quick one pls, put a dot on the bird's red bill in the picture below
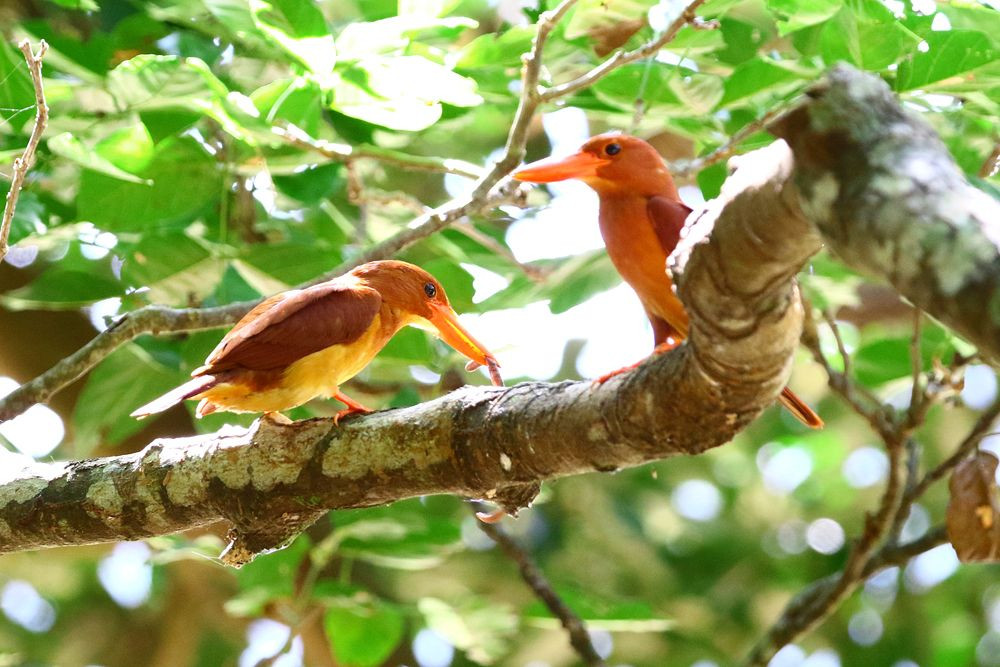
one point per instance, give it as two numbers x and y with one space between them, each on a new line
549 170
452 332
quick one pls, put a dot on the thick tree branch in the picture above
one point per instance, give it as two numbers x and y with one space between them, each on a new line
27 159
890 201
491 443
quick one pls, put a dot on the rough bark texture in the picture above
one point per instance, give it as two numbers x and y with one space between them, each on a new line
889 200
876 183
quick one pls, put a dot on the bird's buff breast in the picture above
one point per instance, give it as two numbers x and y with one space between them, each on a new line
317 375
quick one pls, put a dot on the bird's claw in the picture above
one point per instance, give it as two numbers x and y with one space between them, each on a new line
491 517
350 411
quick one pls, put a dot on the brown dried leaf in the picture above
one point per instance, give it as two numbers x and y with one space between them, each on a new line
609 37
974 509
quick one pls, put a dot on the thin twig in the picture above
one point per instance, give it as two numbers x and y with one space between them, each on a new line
624 57
818 601
534 273
27 159
728 149
918 396
860 400
347 153
532 575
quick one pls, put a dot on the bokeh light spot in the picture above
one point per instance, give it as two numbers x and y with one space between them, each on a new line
126 574
784 468
431 649
930 568
697 500
23 605
825 536
865 466
36 431
865 627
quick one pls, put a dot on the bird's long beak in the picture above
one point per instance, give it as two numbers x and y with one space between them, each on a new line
578 165
446 322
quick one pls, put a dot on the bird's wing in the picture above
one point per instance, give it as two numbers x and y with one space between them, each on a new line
291 325
667 216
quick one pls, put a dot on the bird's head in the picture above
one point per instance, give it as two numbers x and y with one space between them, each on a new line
420 300
609 163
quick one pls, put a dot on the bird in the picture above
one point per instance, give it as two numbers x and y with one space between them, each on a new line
304 343
641 218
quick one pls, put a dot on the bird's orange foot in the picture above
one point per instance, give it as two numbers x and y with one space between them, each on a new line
659 349
350 411
353 407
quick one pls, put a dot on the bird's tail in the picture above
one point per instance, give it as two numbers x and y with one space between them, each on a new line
799 409
174 396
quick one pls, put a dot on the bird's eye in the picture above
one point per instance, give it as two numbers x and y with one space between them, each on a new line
613 149
430 290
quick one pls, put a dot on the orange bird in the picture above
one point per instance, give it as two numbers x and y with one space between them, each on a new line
641 218
304 343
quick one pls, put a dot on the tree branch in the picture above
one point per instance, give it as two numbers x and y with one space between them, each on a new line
532 575
890 201
27 159
493 443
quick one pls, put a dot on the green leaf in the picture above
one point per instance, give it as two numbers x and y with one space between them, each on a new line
866 34
698 92
363 636
491 50
291 263
179 166
268 577
613 615
27 216
149 83
69 147
393 34
128 378
758 76
403 93
175 267
406 535
409 345
300 30
84 5
948 54
886 358
973 17
130 148
797 14
296 101
478 627
623 86
71 282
